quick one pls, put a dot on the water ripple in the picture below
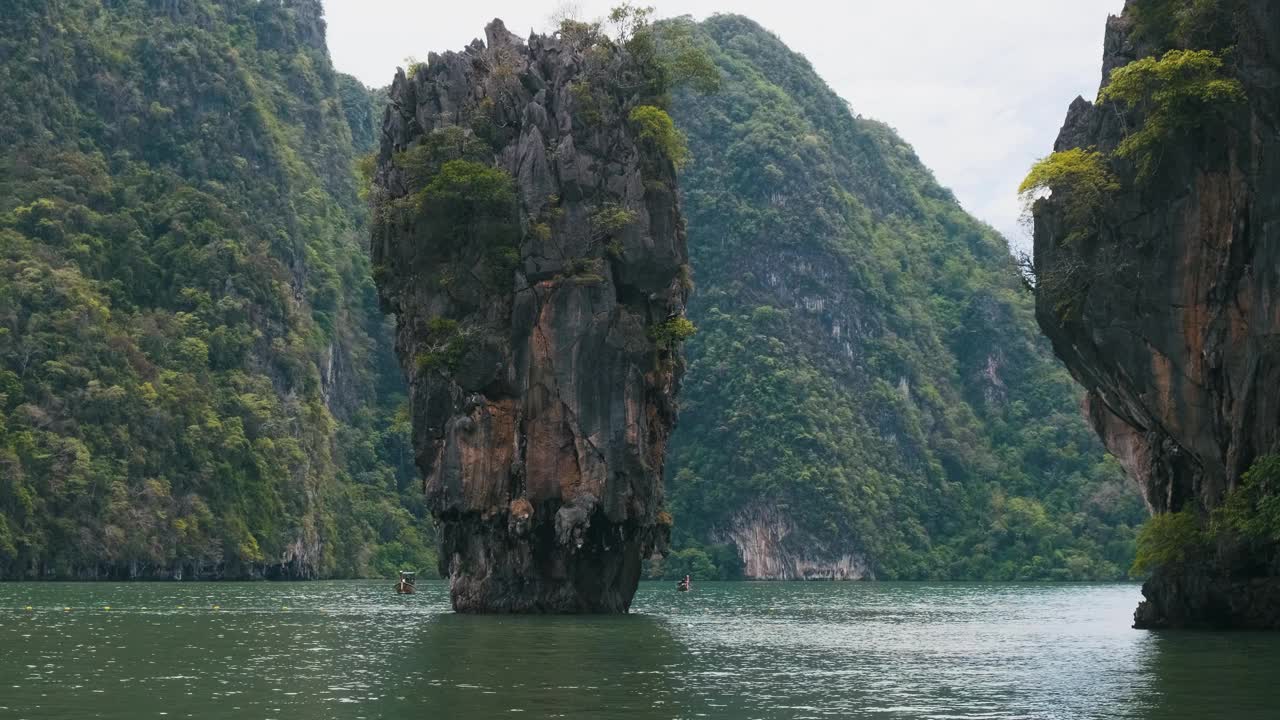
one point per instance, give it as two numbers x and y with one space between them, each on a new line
730 651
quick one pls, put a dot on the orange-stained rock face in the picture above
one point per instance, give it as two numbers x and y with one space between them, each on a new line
1129 445
476 456
1174 338
541 404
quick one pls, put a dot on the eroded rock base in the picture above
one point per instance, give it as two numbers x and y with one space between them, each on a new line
1198 598
494 571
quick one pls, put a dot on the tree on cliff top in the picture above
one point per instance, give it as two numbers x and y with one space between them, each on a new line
659 57
1186 23
1172 95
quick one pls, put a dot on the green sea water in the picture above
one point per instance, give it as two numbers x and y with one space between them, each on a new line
726 650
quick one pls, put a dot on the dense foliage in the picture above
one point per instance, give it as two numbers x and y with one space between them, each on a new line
194 377
1081 175
654 126
1185 23
1246 526
1169 539
867 363
1251 510
1173 94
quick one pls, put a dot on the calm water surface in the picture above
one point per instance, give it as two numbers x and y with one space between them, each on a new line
732 651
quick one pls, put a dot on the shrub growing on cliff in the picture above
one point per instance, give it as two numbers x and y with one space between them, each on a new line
654 126
658 57
465 192
1251 511
444 344
1081 177
413 66
610 219
424 161
1169 539
1249 515
468 205
1172 95
672 332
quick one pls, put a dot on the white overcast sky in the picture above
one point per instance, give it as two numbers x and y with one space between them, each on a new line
978 87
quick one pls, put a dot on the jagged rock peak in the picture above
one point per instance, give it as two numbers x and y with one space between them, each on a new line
530 243
497 35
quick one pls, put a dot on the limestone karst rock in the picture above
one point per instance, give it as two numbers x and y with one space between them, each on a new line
1167 310
528 239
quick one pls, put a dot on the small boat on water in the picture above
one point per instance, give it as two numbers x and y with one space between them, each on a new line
684 585
407 585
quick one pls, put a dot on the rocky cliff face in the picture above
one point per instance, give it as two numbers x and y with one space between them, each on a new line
771 547
539 333
1168 311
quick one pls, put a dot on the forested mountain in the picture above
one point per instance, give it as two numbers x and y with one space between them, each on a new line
194 376
867 392
195 379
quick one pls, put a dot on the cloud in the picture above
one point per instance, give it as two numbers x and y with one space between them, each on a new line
979 88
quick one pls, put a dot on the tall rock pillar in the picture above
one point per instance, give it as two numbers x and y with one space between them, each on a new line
528 239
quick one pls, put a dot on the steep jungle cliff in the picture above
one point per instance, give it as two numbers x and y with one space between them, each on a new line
867 395
529 240
195 378
1157 271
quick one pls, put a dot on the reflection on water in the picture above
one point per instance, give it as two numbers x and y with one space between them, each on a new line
1213 675
797 650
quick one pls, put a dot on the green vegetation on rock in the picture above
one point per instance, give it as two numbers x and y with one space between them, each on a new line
642 62
1251 511
194 377
469 204
611 219
1173 94
445 346
654 125
1169 539
1082 176
866 363
1185 23
671 333
465 194
1247 522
